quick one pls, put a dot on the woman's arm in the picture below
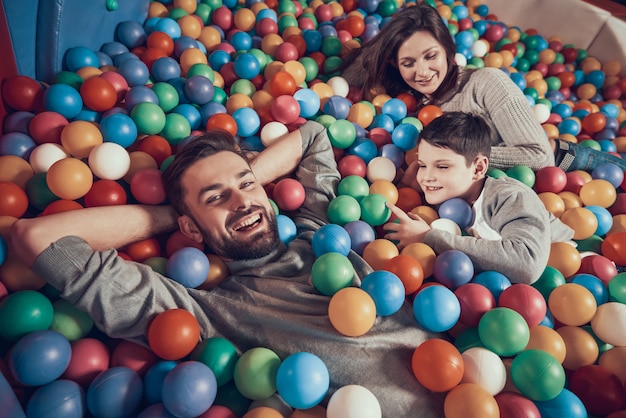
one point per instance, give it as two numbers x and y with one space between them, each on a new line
102 227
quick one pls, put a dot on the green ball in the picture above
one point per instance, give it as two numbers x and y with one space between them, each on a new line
203 11
545 101
593 244
468 338
502 42
554 83
538 375
325 120
532 92
255 373
344 209
617 288
287 21
158 264
532 56
167 95
523 65
177 12
496 173
522 173
591 143
353 185
219 95
286 6
331 65
68 320
220 355
374 210
38 192
387 8
176 128
260 56
149 118
559 58
549 280
311 68
341 133
503 331
68 77
476 62
453 29
243 86
23 312
531 42
201 69
331 46
331 272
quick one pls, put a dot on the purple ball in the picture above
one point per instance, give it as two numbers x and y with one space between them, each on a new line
453 268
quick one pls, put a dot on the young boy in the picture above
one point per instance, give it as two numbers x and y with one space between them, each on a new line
511 230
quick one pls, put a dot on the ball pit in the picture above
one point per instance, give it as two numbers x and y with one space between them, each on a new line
97 135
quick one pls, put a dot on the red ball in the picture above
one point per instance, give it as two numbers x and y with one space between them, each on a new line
90 357
157 146
286 52
147 186
22 93
222 17
494 33
525 300
594 122
619 207
173 334
613 247
105 192
266 26
408 270
514 405
141 250
288 194
380 137
285 109
550 179
178 240
282 83
47 126
134 356
13 200
599 389
61 205
599 266
574 182
119 83
98 94
475 300
352 165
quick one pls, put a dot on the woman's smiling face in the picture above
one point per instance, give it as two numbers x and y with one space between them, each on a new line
422 63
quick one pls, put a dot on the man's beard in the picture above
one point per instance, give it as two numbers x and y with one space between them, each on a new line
258 245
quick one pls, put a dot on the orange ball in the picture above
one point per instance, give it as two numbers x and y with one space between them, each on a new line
547 339
190 26
427 213
190 57
262 412
581 348
408 199
378 252
237 101
138 161
80 137
428 113
614 360
594 122
15 169
470 400
613 247
572 304
13 200
244 19
583 221
296 70
218 272
553 203
408 270
586 91
160 40
438 365
570 200
187 5
222 121
362 114
493 59
210 37
385 188
565 258
173 334
98 94
69 178
282 83
598 192
424 254
16 275
352 311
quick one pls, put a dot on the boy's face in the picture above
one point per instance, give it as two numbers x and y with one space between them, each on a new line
229 209
444 174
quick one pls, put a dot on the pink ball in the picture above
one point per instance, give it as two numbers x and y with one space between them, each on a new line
288 194
222 17
266 26
134 356
47 127
550 179
352 165
475 300
599 266
119 83
514 405
147 186
90 357
285 109
525 300
286 52
494 33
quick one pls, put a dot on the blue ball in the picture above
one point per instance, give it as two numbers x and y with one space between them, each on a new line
63 99
210 109
191 113
394 153
115 392
119 128
458 210
287 230
18 121
405 136
169 26
495 281
4 249
309 102
103 59
59 399
302 380
156 410
247 66
361 233
592 283
135 72
387 291
364 148
595 77
453 268
183 43
248 121
130 33
40 357
566 404
188 266
153 380
604 217
337 107
17 144
189 389
165 69
519 80
609 172
113 48
464 38
218 58
199 89
124 56
395 108
313 40
569 126
79 56
331 238
139 94
383 121
241 41
563 110
436 308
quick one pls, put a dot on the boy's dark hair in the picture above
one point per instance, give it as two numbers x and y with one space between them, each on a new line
464 133
198 148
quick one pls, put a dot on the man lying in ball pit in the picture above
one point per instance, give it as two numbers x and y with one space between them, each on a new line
509 231
218 198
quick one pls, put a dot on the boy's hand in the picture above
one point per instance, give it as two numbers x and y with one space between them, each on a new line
407 228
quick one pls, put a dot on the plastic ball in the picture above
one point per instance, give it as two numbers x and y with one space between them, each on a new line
609 323
135 72
353 401
173 334
109 161
598 192
550 179
60 398
537 375
188 266
17 144
387 291
572 304
408 270
287 230
581 347
69 178
22 93
302 380
374 210
436 308
118 128
90 357
437 365
485 368
565 258
309 102
525 300
503 331
475 299
470 400
343 209
381 168
378 252
13 200
220 355
565 404
522 173
98 94
63 99
453 268
515 405
149 118
352 311
614 248
594 285
547 339
609 172
352 165
115 392
189 389
255 373
288 194
80 137
582 221
331 272
39 357
457 210
331 238
361 234
599 390
341 133
354 186
147 186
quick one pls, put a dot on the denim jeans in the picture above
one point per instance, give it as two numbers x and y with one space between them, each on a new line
586 158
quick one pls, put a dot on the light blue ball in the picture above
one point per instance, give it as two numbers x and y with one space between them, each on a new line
302 380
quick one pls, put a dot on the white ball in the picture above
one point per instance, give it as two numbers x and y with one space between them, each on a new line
109 161
542 112
609 323
339 85
353 401
460 59
480 48
485 368
272 131
445 224
381 168
44 155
